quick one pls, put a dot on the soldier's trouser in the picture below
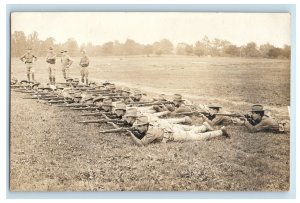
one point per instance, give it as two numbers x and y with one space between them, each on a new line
223 120
181 135
65 71
84 72
192 128
30 70
162 113
51 71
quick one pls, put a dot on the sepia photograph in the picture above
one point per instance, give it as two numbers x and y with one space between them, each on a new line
149 101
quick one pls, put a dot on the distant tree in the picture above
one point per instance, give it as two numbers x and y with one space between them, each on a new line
18 43
147 49
265 50
275 52
107 48
251 50
232 50
286 51
166 46
72 47
182 48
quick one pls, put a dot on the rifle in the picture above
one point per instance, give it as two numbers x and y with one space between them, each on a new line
59 101
98 114
85 108
103 121
117 130
155 103
190 113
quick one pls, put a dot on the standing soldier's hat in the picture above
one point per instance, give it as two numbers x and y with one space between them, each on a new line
177 97
120 106
141 120
257 108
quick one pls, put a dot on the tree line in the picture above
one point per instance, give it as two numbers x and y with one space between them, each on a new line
203 47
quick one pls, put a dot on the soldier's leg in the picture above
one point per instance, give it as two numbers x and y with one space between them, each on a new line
67 72
190 136
53 73
64 72
86 76
163 113
50 74
202 128
183 120
28 71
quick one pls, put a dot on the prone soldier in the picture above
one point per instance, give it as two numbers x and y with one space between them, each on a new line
164 132
264 123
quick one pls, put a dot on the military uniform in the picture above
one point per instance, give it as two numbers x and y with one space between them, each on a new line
266 123
84 63
27 58
165 132
51 59
66 62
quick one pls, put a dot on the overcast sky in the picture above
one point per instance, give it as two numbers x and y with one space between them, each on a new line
148 27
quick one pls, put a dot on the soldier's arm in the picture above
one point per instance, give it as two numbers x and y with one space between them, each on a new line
137 141
22 57
250 127
114 125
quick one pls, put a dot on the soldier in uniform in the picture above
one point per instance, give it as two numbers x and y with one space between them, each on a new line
28 59
50 59
214 119
163 132
264 123
84 63
66 62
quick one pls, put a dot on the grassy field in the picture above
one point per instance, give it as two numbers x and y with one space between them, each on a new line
50 152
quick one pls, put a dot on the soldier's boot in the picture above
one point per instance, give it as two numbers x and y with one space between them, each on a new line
28 76
32 77
87 81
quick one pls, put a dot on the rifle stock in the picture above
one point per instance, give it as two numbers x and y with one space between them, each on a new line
117 130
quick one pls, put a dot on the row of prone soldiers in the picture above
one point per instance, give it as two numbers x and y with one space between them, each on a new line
146 119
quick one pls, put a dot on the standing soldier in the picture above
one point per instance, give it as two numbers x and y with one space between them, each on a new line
51 58
27 58
66 63
84 63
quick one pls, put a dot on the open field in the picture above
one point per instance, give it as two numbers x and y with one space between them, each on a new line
49 151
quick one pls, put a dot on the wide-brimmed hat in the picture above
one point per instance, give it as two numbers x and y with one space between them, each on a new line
35 84
77 95
92 83
131 112
214 106
111 86
76 80
141 120
257 108
177 97
162 97
106 83
107 102
24 82
69 79
120 106
137 92
126 89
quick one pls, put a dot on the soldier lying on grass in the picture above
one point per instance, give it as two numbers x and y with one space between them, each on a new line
264 123
164 132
